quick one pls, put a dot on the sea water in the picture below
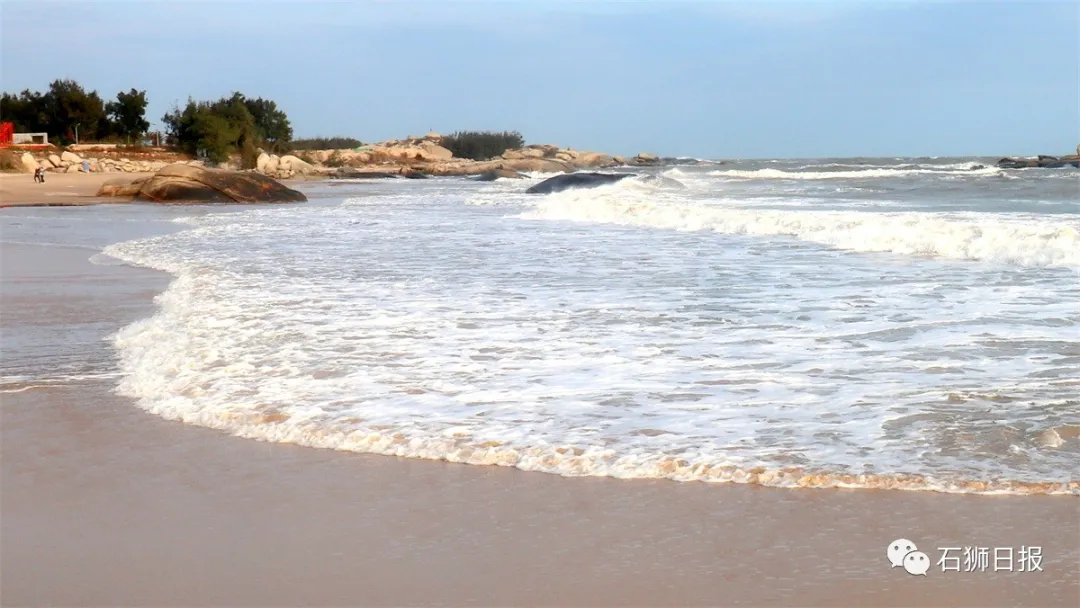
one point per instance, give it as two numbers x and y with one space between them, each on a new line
891 323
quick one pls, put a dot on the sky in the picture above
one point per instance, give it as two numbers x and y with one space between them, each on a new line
709 79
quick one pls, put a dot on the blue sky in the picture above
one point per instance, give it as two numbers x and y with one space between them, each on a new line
708 79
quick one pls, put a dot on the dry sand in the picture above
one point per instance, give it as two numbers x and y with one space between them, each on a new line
103 504
59 189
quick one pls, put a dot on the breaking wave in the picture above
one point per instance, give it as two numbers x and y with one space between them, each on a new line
857 174
965 236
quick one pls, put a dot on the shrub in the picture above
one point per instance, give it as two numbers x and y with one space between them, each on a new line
335 160
326 143
482 145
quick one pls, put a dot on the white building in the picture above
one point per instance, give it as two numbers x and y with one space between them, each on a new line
30 138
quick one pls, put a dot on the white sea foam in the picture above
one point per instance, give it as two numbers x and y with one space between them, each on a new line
1025 241
857 174
413 325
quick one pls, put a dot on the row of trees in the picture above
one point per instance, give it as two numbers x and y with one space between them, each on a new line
69 113
213 130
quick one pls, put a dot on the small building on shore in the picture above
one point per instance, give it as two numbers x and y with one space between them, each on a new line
30 139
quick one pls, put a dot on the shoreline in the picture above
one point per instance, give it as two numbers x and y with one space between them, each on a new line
105 504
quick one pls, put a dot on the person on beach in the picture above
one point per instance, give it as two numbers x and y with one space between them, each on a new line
39 175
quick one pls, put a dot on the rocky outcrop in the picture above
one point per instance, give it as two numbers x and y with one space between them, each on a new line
576 180
1040 162
182 183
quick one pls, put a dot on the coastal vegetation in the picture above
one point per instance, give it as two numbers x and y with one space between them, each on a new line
482 145
236 124
326 143
69 113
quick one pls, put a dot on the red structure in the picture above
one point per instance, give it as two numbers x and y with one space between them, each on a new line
7 133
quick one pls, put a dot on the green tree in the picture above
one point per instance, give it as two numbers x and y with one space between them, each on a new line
73 113
228 126
271 124
25 110
128 114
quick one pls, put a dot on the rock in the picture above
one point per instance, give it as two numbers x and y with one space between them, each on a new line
55 160
513 155
122 187
185 183
647 157
70 157
542 165
490 176
1041 162
294 164
261 162
72 169
28 162
593 159
354 173
532 153
434 152
576 180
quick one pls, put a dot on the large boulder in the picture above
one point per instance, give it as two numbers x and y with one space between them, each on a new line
54 160
70 157
261 162
189 184
576 180
28 162
295 164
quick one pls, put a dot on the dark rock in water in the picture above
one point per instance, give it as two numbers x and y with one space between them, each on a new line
188 184
415 175
977 167
351 173
490 176
1042 162
576 180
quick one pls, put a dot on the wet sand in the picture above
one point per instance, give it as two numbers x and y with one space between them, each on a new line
103 504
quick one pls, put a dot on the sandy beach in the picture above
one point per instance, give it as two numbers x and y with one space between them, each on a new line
104 504
59 189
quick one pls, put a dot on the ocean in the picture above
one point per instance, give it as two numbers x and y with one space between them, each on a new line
898 323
